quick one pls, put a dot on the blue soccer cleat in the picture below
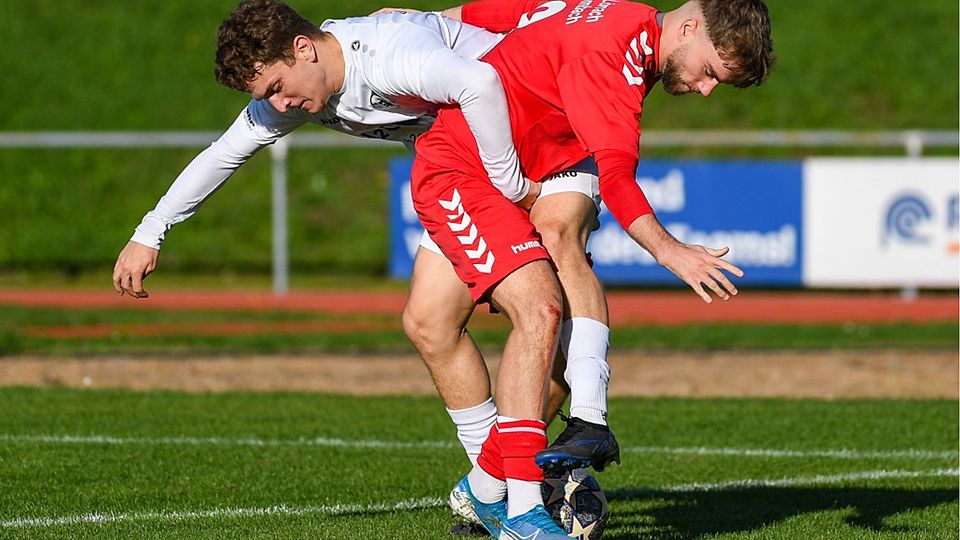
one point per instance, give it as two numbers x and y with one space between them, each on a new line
468 508
533 525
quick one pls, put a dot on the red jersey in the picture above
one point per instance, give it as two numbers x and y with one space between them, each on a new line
575 76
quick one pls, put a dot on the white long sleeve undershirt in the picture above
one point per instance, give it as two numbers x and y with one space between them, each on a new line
399 67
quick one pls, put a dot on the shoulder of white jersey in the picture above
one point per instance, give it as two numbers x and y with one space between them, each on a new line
395 27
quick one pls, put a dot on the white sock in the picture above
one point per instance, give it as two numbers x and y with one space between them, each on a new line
584 342
486 488
473 426
523 497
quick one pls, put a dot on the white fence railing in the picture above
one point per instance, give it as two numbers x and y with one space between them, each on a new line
913 143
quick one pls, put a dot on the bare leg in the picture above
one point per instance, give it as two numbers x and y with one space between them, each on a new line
565 220
435 320
530 297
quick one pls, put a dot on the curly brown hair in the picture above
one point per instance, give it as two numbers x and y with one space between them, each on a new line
258 33
740 31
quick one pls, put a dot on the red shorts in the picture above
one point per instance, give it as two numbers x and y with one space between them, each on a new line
480 231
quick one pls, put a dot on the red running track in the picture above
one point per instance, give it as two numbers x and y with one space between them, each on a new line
626 307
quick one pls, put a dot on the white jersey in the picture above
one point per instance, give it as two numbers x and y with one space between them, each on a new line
399 68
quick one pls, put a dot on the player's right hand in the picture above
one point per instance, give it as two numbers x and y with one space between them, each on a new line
134 264
527 202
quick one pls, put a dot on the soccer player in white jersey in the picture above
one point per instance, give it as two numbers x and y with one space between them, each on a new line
382 77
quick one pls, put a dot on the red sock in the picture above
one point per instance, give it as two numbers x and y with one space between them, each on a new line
519 442
489 459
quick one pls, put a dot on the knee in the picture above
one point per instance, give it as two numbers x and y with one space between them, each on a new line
564 244
555 235
428 336
415 326
542 316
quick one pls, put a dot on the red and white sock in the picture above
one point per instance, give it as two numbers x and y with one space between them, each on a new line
487 480
519 442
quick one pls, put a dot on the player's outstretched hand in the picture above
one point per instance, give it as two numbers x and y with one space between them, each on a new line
392 9
134 264
702 268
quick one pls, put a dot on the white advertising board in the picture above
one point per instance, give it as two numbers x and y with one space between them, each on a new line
881 222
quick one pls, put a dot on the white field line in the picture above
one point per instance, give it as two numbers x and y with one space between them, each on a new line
842 453
433 445
425 503
279 510
739 485
220 441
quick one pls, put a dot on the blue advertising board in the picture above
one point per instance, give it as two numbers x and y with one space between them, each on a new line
754 207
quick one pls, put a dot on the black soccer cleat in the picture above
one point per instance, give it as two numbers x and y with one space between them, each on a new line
582 444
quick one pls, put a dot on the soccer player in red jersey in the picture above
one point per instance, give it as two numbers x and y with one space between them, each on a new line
575 76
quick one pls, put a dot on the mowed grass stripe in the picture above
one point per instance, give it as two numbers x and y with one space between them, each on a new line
843 453
427 503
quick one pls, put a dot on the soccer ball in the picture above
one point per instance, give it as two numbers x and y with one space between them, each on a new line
576 502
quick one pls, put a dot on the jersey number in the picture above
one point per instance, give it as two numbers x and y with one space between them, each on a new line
547 9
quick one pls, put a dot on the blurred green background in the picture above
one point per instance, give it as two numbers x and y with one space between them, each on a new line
143 66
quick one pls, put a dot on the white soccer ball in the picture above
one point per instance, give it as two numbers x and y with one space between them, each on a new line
576 502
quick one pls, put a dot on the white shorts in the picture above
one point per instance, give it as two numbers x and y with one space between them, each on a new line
581 178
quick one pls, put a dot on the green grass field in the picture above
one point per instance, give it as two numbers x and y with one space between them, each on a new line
114 464
22 331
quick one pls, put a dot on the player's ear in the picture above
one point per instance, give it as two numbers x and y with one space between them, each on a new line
689 28
304 48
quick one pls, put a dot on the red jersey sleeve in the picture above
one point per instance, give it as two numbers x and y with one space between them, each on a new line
499 16
619 188
602 104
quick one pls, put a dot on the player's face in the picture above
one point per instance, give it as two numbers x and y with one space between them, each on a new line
302 85
694 67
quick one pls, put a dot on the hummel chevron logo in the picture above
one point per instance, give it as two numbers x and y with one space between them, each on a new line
453 203
477 253
459 227
642 40
472 235
469 238
634 76
458 214
487 266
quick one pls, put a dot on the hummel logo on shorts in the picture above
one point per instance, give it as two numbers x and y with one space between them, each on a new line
458 223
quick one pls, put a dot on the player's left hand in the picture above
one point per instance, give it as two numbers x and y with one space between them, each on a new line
702 269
